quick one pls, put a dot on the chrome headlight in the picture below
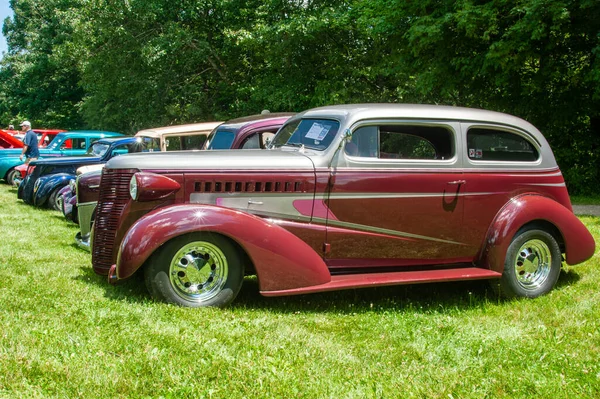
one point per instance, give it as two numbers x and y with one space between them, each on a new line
133 188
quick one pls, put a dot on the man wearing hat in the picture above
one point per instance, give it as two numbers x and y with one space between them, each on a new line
30 143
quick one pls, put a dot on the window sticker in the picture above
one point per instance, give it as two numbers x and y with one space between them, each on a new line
475 153
317 131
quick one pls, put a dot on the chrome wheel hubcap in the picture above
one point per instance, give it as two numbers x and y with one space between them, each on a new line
198 271
533 263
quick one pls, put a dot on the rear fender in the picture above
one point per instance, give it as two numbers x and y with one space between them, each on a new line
282 260
528 209
46 184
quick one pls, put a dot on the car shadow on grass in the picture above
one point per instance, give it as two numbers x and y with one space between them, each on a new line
422 298
459 295
131 290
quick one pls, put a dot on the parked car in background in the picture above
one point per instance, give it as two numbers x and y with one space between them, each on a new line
180 137
45 136
348 196
250 132
47 177
71 143
9 141
67 196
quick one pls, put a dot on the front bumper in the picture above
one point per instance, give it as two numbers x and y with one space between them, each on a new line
85 212
83 242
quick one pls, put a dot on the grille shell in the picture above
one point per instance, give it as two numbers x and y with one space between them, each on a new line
113 198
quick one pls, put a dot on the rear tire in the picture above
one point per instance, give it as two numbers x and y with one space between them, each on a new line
196 270
532 264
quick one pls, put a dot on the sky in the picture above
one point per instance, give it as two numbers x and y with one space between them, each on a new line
5 11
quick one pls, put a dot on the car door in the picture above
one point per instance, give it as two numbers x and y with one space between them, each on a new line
396 197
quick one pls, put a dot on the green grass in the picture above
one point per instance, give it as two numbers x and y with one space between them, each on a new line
66 333
585 200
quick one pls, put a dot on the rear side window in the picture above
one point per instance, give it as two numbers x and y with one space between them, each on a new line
186 142
405 142
485 144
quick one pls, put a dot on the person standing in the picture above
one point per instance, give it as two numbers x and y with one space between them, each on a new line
30 143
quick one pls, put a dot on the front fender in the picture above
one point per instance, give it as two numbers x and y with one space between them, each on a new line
282 260
579 243
45 185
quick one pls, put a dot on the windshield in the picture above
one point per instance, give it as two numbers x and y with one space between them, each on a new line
316 134
219 140
150 143
97 149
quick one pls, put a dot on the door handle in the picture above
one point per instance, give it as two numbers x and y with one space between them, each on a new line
251 202
458 182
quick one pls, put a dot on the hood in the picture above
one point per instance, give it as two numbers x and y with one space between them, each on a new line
89 168
214 160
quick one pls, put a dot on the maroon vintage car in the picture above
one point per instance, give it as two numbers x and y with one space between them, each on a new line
250 132
347 196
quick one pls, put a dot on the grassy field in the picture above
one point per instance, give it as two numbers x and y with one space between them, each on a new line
65 333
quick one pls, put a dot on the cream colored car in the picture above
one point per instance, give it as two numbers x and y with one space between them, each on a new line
180 137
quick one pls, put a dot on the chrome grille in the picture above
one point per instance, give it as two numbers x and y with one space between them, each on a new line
113 197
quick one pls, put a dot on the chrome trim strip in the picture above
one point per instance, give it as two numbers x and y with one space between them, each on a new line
379 230
546 184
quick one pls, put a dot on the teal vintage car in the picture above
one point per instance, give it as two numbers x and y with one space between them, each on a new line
71 143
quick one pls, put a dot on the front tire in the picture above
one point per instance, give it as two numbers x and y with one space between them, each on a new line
53 202
196 270
11 176
532 264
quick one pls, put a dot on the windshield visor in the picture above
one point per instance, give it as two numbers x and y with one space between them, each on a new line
316 134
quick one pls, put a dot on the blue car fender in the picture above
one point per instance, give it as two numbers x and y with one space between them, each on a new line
7 163
45 185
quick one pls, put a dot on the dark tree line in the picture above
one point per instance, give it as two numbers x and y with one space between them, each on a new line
130 64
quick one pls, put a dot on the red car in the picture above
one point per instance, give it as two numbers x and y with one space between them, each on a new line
45 136
7 140
347 197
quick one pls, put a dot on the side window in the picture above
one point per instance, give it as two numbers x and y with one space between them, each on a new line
251 142
486 144
79 144
123 149
193 142
174 143
67 144
266 139
408 142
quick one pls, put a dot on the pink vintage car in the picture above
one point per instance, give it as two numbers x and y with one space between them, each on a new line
346 197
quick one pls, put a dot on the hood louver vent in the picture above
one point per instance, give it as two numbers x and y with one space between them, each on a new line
249 187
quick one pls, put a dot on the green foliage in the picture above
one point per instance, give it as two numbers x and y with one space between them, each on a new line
126 65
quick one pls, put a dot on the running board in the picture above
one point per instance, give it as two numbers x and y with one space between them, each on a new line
348 281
